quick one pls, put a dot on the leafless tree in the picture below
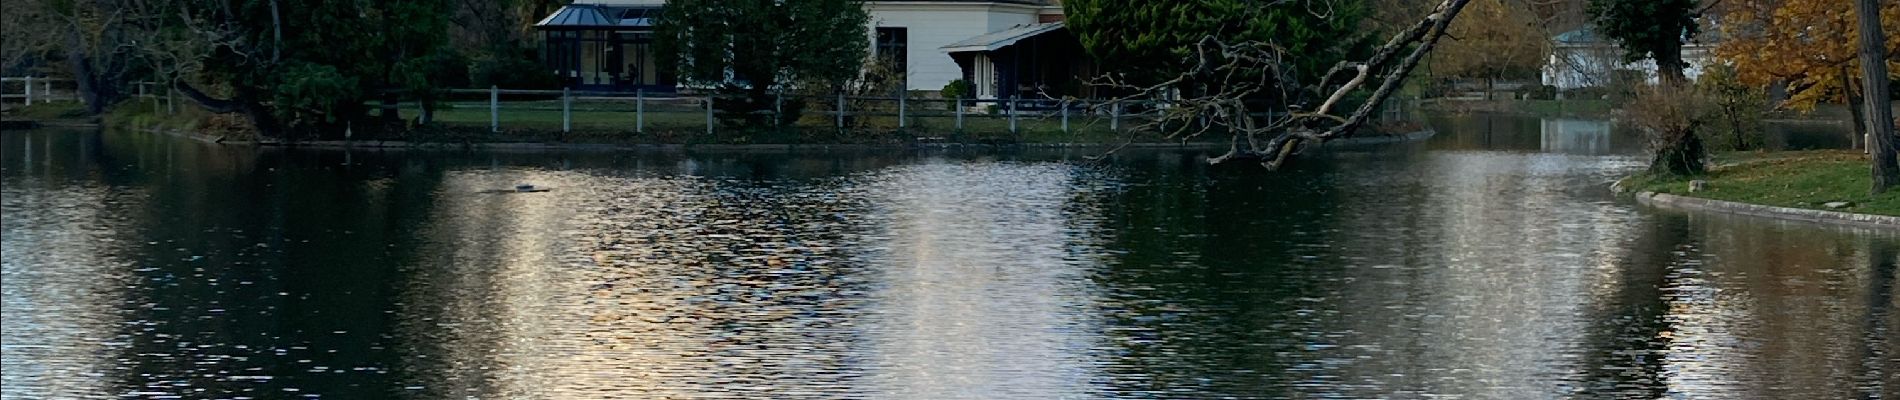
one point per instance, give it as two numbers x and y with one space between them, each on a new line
1223 92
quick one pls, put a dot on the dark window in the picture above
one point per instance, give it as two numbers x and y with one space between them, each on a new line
893 45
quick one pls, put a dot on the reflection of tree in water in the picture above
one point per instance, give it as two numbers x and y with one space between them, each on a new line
1624 349
1208 289
1881 352
249 263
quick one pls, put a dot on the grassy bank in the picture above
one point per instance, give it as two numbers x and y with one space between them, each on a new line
530 122
49 112
1787 179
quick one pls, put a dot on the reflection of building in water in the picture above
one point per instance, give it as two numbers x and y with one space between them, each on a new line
1576 136
1478 289
925 281
984 283
64 286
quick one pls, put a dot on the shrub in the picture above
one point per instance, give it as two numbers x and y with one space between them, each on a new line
959 89
1539 92
1670 117
1587 93
512 73
1734 110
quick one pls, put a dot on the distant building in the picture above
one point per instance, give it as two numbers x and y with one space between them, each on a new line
605 45
1581 59
1004 47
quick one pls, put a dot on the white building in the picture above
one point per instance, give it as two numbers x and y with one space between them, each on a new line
604 44
1581 59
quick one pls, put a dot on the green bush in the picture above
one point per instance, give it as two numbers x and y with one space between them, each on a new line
957 89
1539 92
1587 93
1735 108
313 94
512 73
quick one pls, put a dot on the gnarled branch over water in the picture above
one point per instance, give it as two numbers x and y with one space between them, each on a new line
1248 90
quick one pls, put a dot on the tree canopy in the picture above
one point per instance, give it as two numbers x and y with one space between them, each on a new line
1494 39
1650 29
1150 40
757 47
761 44
1807 44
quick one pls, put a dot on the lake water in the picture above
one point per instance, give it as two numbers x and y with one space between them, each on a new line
1488 262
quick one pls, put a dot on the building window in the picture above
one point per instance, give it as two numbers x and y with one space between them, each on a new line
893 47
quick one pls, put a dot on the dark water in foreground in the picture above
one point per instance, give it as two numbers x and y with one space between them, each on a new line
1487 262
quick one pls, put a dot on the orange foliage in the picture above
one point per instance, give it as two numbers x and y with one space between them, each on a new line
1806 43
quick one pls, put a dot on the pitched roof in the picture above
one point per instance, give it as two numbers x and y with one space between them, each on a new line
598 16
1000 39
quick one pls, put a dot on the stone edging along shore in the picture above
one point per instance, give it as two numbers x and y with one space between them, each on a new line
1671 201
398 145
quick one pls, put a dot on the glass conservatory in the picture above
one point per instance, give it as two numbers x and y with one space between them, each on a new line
604 48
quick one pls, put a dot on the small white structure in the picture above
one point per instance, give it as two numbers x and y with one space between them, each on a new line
922 29
1581 58
602 44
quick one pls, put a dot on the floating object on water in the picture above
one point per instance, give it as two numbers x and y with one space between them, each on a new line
521 188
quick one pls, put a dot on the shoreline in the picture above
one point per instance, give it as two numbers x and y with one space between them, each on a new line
382 145
1697 204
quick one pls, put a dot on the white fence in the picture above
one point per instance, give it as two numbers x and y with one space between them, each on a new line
28 90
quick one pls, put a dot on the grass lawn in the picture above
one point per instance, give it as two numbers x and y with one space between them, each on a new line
1785 179
678 124
48 111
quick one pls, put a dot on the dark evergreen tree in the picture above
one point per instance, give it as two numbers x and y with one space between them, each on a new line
1650 29
757 47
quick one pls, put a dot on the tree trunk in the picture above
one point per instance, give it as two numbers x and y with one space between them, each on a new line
1879 118
1856 107
1669 64
1683 155
244 103
92 91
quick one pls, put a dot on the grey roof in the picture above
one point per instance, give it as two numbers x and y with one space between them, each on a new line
1578 37
1000 39
593 16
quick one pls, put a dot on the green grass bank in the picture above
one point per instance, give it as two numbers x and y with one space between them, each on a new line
1806 180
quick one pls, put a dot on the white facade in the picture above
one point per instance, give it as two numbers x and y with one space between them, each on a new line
1581 59
931 25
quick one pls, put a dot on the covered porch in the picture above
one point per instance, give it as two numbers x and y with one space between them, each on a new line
1025 61
603 48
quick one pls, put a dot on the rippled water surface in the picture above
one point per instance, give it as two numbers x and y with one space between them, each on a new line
1488 262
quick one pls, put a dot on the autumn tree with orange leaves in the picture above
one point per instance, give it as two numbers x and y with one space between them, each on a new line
1808 45
1813 47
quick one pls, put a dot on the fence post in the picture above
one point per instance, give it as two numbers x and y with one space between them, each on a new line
640 111
29 90
494 108
709 115
567 110
1115 117
840 110
1065 115
959 113
48 96
900 109
171 100
1012 114
778 108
